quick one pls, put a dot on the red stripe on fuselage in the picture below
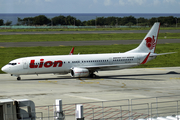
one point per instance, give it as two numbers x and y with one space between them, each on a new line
145 60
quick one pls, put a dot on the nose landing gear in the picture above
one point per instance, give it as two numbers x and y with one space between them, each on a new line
18 77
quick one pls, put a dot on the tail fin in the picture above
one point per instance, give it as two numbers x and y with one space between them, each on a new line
149 42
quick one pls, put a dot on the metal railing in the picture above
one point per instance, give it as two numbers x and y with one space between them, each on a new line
140 108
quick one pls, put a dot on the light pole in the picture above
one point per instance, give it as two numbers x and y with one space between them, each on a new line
116 22
4 23
96 21
51 23
137 21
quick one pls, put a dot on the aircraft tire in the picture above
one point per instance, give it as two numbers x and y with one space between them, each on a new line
18 78
92 75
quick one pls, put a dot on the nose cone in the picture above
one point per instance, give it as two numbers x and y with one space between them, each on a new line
4 69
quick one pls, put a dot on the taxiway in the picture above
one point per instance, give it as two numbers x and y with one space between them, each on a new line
110 85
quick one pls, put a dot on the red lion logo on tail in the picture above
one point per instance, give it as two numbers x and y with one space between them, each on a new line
150 42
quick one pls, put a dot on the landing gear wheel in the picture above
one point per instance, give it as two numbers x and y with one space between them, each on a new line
92 75
18 78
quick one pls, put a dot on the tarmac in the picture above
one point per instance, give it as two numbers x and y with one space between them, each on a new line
109 85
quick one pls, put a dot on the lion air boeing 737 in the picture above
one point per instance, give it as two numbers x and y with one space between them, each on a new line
86 64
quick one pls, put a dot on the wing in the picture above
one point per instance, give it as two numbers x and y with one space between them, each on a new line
101 67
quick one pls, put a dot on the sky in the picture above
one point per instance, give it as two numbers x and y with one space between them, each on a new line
89 6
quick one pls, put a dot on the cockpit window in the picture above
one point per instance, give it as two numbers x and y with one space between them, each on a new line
12 63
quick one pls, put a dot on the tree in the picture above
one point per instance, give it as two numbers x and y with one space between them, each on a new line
1 22
28 20
129 19
110 20
41 20
152 21
70 20
170 20
129 24
100 21
8 22
90 23
20 21
79 23
59 20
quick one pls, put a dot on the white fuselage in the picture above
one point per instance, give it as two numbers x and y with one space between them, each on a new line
63 63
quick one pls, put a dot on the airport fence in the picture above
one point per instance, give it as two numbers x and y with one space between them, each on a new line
64 27
126 109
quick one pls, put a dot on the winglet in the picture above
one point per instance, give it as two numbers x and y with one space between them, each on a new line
72 51
145 60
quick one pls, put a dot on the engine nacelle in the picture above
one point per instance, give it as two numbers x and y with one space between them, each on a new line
79 72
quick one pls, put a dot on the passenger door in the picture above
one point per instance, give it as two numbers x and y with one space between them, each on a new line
25 64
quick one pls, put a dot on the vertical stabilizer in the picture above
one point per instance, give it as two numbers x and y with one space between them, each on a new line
149 42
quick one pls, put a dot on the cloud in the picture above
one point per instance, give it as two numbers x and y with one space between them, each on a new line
156 2
169 1
121 2
48 0
138 2
95 1
107 2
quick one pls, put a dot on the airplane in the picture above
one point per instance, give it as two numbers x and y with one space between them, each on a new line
84 65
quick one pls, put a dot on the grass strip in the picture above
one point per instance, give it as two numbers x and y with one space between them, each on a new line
82 37
172 60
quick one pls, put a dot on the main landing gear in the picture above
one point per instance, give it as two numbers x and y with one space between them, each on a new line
18 78
92 76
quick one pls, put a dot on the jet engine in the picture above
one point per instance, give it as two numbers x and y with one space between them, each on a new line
79 72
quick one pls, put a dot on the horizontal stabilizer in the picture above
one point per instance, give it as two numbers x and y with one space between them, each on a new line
154 54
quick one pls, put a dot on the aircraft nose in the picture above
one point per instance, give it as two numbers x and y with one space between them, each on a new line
4 69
